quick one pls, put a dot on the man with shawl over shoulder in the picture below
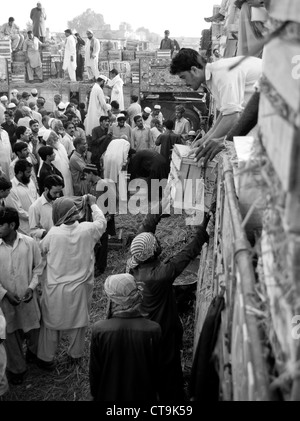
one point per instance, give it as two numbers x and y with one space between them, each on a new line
38 17
125 348
67 291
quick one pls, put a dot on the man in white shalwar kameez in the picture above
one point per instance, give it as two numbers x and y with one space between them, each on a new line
67 291
116 86
97 106
70 55
92 50
61 161
5 152
115 158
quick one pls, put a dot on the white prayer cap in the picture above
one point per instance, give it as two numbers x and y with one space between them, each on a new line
103 77
34 91
61 106
90 31
191 133
11 106
3 98
157 107
14 91
50 121
121 116
46 134
147 110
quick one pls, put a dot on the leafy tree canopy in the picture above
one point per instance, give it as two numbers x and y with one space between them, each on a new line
87 20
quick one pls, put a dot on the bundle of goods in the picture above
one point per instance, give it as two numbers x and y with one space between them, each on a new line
46 61
5 52
128 55
163 54
145 54
18 72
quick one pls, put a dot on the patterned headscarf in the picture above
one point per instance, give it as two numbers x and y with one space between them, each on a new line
63 211
142 248
124 296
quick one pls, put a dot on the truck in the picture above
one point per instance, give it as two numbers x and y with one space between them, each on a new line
158 86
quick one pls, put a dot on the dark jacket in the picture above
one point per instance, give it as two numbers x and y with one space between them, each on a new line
156 278
99 143
44 172
125 360
167 141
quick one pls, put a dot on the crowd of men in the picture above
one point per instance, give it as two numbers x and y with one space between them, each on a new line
55 166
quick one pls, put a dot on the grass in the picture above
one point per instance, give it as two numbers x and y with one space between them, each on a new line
71 382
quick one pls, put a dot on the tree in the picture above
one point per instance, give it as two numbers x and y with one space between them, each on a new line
87 20
107 47
143 30
125 26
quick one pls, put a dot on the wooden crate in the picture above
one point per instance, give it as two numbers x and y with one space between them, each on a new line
194 187
279 110
163 54
128 55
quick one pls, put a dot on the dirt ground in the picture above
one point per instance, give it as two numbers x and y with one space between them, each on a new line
71 383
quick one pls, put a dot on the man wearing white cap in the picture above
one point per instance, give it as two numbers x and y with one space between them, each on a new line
146 116
158 114
34 96
69 63
190 137
92 49
3 104
116 86
14 93
11 106
97 105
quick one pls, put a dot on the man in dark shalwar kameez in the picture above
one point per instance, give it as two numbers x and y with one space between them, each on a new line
125 348
156 278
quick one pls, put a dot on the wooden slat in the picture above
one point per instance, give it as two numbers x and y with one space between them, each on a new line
277 138
281 71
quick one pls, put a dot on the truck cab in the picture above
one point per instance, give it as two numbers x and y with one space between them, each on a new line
158 86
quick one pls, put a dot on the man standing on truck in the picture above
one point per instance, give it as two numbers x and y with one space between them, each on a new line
38 17
70 55
92 49
33 58
167 43
231 84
